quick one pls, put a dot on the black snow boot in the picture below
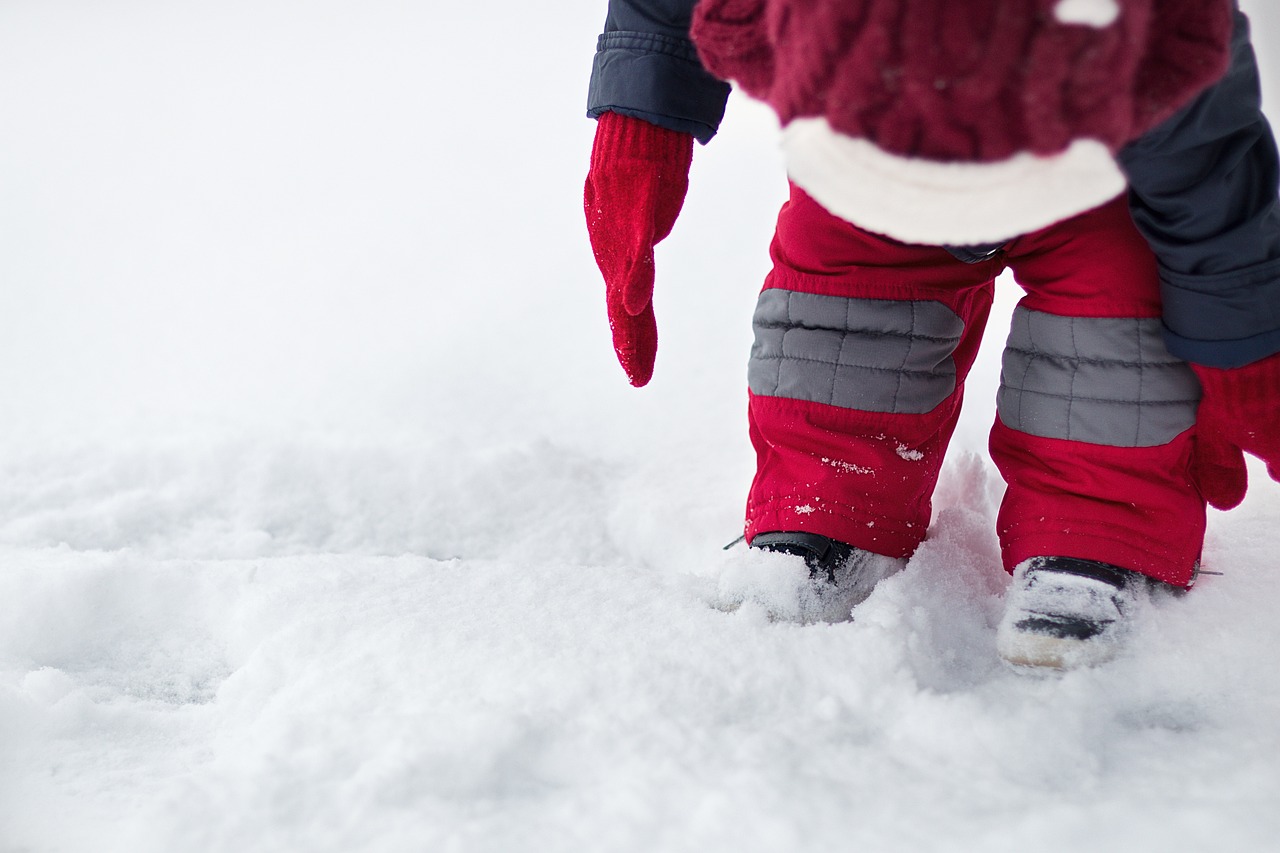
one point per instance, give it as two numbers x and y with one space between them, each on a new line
840 576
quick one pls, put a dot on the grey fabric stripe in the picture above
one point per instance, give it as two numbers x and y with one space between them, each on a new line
1097 380
873 355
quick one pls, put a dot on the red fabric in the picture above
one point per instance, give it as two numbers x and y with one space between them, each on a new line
867 478
864 478
633 194
1239 413
967 80
1137 508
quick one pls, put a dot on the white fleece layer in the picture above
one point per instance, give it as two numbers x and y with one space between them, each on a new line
1090 13
922 201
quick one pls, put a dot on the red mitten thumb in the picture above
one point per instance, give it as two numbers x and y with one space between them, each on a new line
1219 469
1239 413
634 191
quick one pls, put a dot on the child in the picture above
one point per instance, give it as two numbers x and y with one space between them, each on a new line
989 127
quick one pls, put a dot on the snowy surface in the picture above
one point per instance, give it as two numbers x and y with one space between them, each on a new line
328 523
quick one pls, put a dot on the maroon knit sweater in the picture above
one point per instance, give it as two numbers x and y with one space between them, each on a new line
969 80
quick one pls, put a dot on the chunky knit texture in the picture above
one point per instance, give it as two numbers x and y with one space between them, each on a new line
969 80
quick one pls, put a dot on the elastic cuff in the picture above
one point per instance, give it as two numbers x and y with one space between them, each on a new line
1240 388
658 79
703 133
1225 355
621 137
1224 319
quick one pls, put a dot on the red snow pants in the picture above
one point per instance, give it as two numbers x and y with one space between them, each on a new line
862 346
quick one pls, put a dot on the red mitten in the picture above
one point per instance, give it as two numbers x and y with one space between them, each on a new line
635 189
1239 413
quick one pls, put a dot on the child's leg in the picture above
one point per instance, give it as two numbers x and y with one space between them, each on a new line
1095 417
856 379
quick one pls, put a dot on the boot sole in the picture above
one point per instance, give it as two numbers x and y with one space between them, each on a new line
1039 653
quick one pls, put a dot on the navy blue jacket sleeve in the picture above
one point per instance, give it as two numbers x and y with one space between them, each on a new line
646 67
1203 191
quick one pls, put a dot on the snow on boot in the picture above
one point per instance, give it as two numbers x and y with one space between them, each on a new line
1064 613
840 576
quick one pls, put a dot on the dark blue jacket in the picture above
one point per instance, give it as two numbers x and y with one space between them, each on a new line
1203 186
646 67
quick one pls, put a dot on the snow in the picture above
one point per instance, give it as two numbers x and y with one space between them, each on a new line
328 523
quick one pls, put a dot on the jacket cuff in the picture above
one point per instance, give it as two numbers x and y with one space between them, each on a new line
1222 320
656 78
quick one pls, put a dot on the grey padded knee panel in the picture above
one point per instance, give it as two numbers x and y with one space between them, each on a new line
872 355
1108 381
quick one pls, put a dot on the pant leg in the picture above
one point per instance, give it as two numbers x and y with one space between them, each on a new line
1095 417
856 379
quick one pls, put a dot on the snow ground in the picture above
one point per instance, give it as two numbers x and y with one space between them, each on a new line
327 521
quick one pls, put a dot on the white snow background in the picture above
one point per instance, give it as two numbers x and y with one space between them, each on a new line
328 522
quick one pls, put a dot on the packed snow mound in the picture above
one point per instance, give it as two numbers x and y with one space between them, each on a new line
337 696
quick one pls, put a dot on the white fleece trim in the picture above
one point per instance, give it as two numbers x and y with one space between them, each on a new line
922 201
1090 13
